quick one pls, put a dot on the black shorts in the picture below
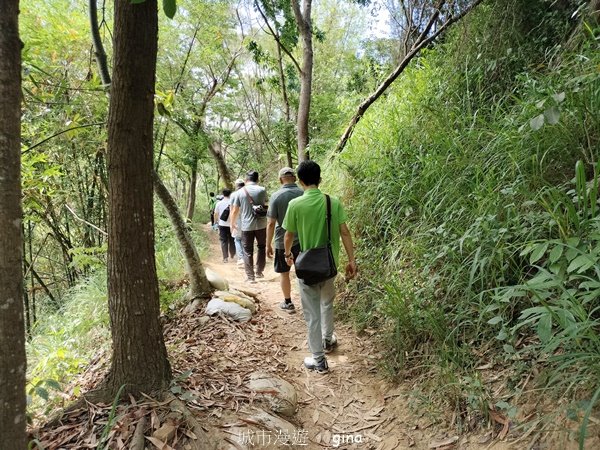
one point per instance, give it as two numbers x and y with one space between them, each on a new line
280 265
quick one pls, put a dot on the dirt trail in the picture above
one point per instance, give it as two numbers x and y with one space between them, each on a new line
352 406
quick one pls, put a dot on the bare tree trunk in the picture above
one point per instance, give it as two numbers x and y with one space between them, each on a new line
215 149
139 358
303 19
286 103
199 285
12 332
191 203
422 41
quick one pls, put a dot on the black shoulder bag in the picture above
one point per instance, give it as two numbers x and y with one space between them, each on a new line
225 214
316 265
258 210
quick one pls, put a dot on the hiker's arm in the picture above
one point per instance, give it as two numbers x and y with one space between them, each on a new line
233 215
349 247
270 232
288 241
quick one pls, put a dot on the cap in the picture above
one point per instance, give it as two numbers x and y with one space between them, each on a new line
286 171
239 182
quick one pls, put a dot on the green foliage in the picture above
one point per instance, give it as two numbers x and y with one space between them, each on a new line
471 236
64 341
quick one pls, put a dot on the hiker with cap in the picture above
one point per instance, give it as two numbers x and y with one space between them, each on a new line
249 204
278 205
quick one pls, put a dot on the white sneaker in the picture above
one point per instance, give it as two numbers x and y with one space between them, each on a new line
240 262
318 366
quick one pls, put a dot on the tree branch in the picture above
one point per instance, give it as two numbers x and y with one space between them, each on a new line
276 37
416 48
98 46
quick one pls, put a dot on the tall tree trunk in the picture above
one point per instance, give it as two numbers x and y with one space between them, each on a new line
191 202
303 19
199 285
139 358
12 332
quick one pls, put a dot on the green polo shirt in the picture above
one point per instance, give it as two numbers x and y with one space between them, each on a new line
306 217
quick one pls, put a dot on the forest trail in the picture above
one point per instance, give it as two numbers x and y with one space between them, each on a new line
214 360
352 406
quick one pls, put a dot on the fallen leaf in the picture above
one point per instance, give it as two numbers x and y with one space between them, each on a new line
444 442
160 445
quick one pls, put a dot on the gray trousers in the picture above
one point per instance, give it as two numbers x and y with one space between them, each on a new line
248 244
317 304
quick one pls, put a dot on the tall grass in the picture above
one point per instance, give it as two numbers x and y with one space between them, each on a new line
457 176
64 341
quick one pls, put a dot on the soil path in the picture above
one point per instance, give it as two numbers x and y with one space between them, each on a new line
350 407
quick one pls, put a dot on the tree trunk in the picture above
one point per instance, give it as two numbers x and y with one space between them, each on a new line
139 358
199 285
215 149
286 103
303 19
12 332
191 203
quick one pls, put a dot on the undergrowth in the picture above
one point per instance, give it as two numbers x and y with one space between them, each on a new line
472 191
65 340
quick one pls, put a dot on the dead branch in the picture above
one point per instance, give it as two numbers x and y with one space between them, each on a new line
419 44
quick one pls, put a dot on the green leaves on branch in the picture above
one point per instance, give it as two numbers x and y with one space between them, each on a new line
169 6
550 116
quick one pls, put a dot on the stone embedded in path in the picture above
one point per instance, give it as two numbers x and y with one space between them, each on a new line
279 395
273 422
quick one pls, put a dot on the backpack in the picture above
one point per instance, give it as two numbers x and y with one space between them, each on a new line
225 214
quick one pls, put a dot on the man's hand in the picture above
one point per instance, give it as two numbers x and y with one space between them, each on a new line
269 251
289 259
351 270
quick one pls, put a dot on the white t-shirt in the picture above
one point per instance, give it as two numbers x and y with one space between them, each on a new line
219 208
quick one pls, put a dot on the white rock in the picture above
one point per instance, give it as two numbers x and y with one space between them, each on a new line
216 280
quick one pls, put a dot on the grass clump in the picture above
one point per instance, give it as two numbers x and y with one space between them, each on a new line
480 242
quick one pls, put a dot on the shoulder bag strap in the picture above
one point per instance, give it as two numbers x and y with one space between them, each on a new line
248 195
328 218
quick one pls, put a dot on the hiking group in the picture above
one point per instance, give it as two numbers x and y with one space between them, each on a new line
301 226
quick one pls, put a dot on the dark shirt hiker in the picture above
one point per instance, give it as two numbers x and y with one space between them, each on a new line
277 208
306 217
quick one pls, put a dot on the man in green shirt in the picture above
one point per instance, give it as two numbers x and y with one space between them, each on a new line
306 217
